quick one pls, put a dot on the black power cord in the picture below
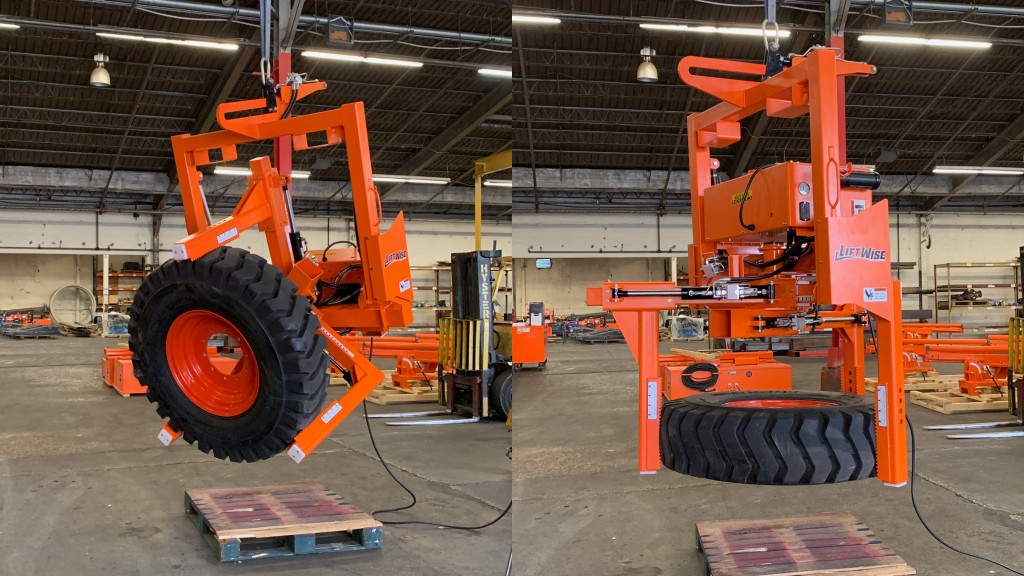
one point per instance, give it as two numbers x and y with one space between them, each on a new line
373 442
913 501
698 383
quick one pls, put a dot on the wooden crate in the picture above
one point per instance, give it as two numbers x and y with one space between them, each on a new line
281 520
957 403
931 382
833 544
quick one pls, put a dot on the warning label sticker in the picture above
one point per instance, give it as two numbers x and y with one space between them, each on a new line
876 294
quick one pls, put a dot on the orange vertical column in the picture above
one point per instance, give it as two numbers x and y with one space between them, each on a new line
890 408
650 393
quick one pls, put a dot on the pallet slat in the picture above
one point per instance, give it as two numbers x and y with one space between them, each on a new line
957 403
282 520
932 382
802 546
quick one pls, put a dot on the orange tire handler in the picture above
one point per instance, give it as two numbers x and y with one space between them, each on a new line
280 321
783 250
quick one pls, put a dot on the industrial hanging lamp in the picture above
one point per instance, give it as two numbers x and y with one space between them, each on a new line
100 77
647 72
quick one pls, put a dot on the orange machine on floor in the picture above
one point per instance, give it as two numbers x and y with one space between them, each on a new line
779 251
688 372
415 356
985 360
118 372
530 339
915 338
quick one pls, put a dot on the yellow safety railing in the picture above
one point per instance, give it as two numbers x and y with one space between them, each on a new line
464 344
1017 345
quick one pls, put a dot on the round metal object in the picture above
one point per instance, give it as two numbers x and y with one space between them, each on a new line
220 385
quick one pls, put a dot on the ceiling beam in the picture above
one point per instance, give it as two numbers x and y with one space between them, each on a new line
232 74
491 102
1006 139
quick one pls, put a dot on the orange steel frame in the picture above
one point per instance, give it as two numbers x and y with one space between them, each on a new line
416 357
986 361
386 296
848 287
915 337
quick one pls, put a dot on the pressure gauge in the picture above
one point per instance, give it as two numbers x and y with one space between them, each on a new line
804 188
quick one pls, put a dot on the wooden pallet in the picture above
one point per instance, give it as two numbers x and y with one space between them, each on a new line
281 520
933 382
386 394
957 403
823 544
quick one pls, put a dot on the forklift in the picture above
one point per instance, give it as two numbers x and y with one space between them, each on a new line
475 351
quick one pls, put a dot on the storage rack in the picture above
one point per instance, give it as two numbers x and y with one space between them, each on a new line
955 277
431 285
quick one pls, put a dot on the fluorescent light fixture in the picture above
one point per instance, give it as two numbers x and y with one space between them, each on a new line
357 58
333 56
396 179
498 183
528 19
917 41
229 171
497 72
715 30
180 42
978 170
8 26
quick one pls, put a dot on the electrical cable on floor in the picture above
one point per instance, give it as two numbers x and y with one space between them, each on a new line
373 442
913 501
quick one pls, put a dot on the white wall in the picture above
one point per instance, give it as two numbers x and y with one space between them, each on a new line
28 280
36 246
429 241
954 238
564 286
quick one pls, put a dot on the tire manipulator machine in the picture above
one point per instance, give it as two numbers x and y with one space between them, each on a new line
277 325
783 250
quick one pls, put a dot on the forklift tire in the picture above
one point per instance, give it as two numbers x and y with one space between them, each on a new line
770 437
501 394
248 410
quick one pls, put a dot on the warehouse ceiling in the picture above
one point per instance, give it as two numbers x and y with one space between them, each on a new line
429 121
926 106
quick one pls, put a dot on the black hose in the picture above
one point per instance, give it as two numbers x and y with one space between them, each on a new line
746 190
335 243
700 384
913 501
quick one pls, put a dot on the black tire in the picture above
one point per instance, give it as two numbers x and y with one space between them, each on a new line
500 400
283 335
708 436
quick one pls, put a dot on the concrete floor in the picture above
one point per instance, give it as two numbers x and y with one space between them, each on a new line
581 507
86 489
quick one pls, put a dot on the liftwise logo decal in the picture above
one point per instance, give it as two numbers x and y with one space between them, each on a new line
860 253
395 257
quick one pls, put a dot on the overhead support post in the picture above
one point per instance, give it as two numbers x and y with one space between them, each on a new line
482 167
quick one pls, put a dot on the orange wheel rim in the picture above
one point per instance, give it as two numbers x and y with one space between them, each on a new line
779 403
220 385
